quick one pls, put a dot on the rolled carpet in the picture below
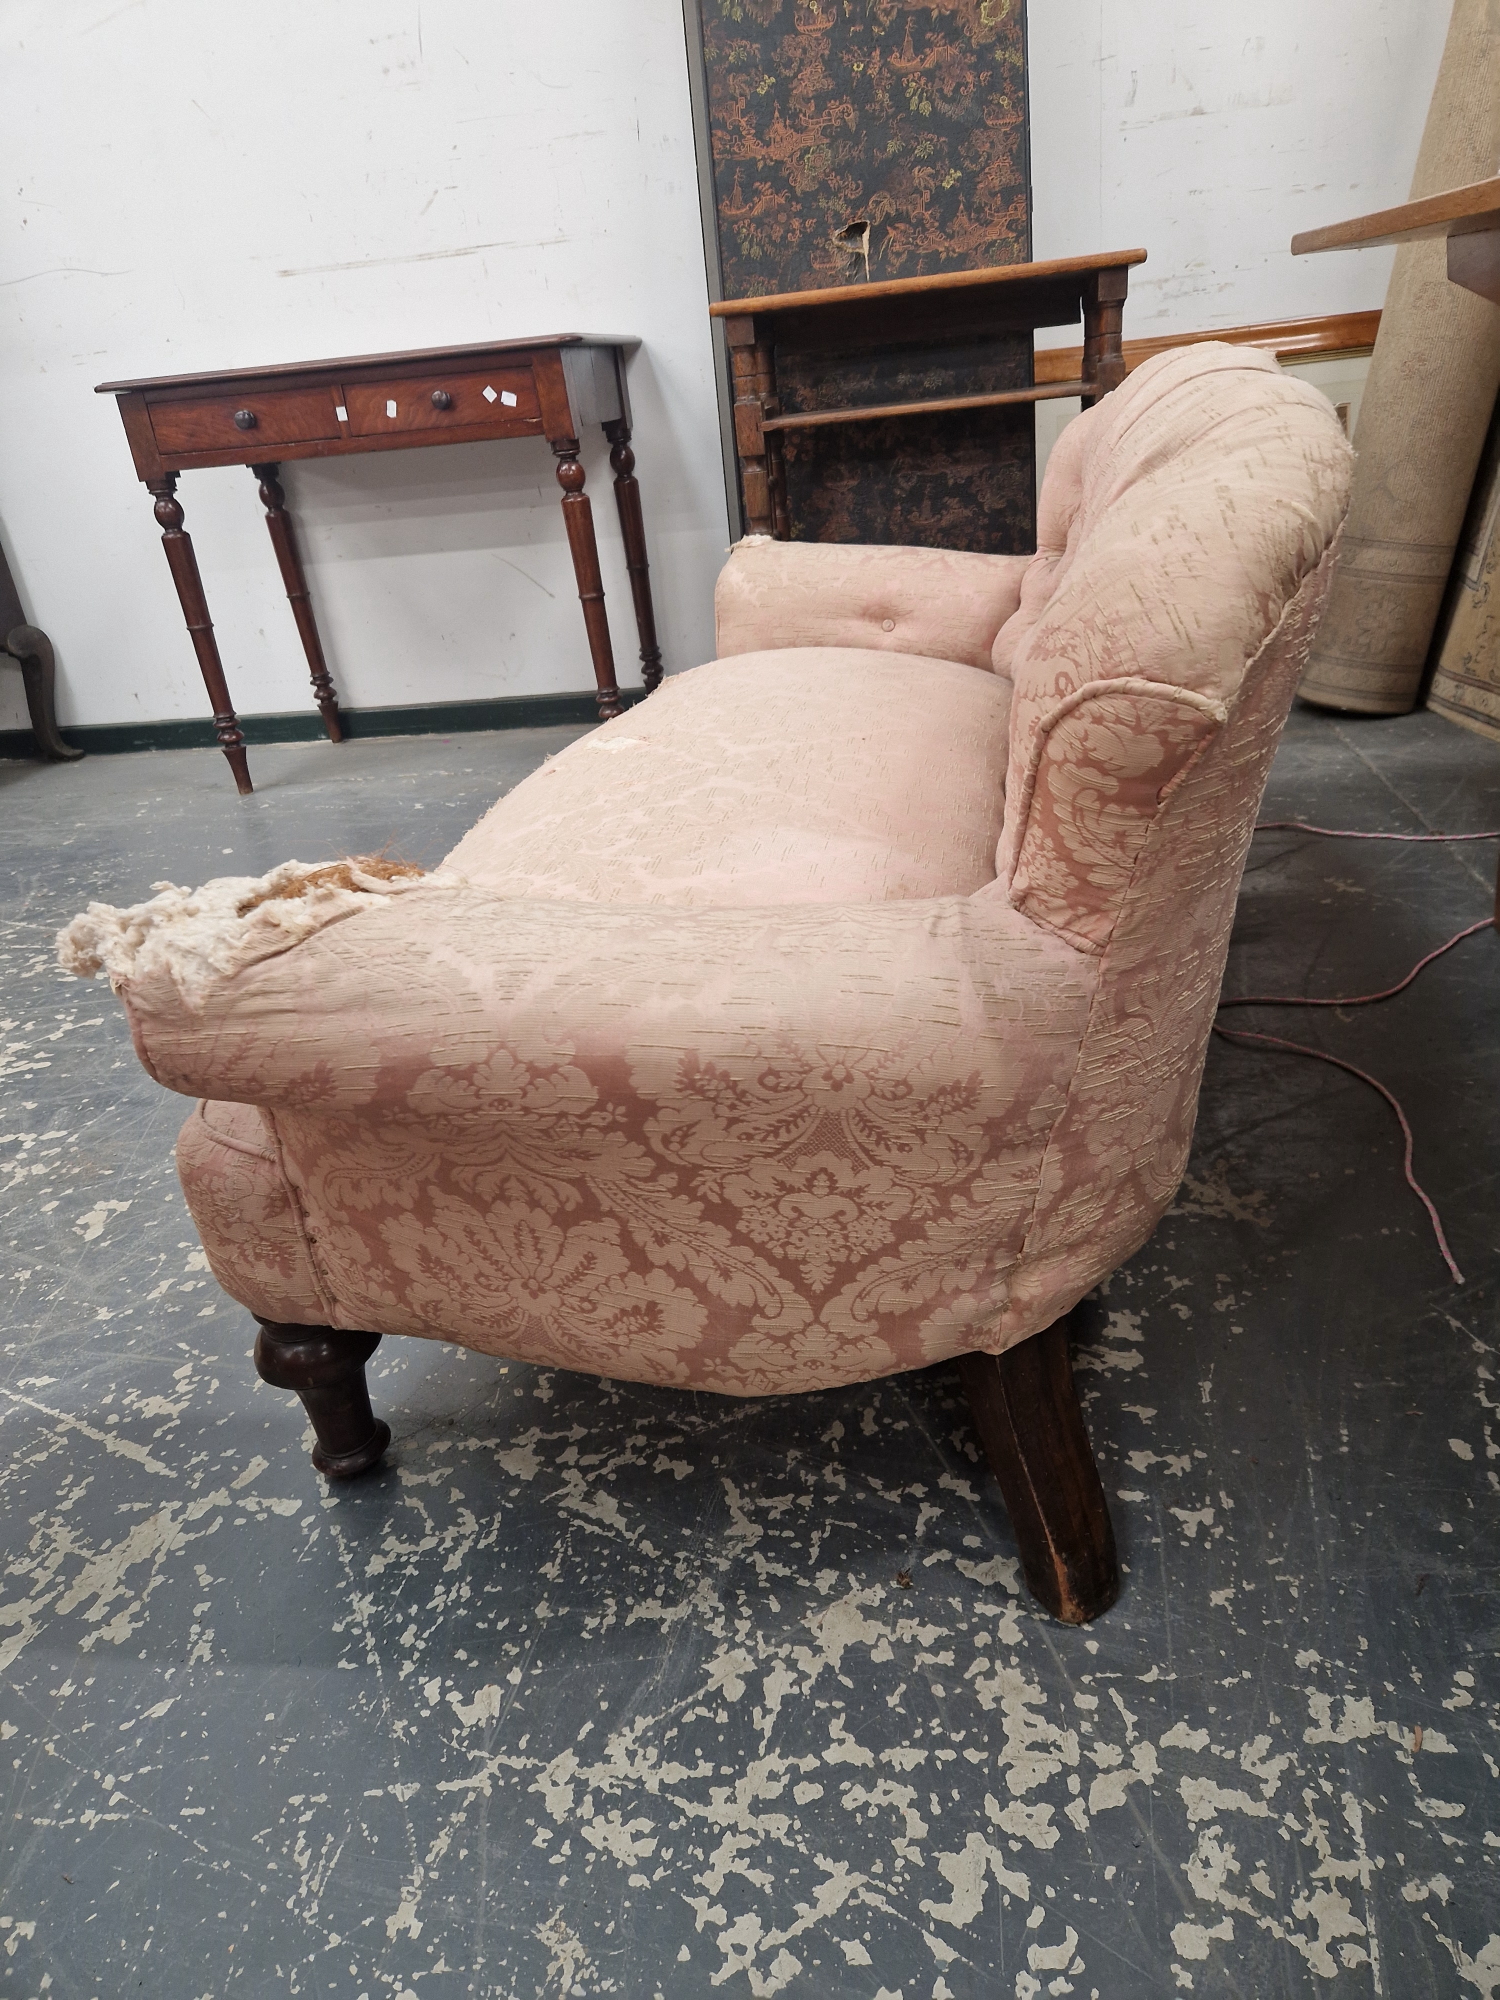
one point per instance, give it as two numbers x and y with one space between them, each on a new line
1424 415
1466 685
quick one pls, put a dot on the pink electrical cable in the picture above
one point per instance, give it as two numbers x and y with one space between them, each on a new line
1322 1055
1348 833
1359 999
1362 1000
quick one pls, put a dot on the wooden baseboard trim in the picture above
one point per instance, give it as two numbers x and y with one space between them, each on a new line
436 718
1287 339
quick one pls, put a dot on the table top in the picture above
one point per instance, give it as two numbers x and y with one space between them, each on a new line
1462 211
991 276
349 363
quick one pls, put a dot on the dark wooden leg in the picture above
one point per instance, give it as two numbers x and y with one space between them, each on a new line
752 365
781 519
633 532
1103 324
326 1369
1025 1409
578 517
30 647
284 541
184 567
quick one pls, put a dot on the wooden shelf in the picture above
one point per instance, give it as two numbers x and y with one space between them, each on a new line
1042 393
967 317
940 281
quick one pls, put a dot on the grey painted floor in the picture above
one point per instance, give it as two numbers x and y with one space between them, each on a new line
598 1689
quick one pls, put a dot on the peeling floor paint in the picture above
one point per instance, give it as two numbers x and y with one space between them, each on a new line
597 1689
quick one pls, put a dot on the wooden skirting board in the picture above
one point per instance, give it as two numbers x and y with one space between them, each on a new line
1287 339
427 718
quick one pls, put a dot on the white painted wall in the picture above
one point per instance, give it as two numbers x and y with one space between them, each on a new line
1209 133
204 186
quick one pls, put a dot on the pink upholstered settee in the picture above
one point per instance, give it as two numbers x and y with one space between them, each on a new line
839 1010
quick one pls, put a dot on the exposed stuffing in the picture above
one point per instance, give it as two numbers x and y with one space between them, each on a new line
200 936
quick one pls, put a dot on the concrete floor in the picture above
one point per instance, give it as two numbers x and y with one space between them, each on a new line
599 1689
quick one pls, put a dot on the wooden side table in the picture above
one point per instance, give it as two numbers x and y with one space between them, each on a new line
547 387
953 308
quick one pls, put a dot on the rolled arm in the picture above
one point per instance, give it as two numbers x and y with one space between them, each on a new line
367 1011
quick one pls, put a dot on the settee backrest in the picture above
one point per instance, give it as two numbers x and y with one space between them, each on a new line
1178 520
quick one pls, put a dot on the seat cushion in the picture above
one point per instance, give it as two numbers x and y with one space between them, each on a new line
803 775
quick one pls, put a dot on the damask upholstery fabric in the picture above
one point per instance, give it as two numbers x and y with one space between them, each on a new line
571 1109
227 1154
947 604
826 775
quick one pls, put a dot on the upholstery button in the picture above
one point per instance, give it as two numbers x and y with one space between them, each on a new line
887 624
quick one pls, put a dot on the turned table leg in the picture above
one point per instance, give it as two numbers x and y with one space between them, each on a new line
184 567
284 541
578 518
633 532
326 1369
1025 1409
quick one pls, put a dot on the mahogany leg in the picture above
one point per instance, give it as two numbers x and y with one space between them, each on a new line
1025 1409
633 532
30 647
184 567
578 517
284 541
326 1369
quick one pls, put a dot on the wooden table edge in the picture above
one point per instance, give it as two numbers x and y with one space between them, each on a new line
895 288
416 358
1458 211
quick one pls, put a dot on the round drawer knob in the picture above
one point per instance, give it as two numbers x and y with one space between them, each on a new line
244 420
441 400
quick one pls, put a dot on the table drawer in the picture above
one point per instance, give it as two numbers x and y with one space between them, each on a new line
277 417
504 401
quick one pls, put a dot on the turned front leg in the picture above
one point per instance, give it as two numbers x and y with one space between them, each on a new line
184 567
1025 1408
288 558
578 518
633 533
326 1370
